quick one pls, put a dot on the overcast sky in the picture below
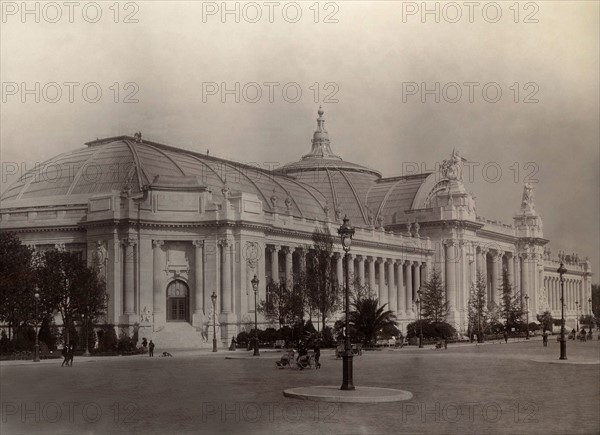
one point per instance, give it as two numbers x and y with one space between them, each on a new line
542 56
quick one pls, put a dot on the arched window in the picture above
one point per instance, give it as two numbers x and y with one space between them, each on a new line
178 302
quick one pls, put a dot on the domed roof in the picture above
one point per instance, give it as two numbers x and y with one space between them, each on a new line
112 164
321 156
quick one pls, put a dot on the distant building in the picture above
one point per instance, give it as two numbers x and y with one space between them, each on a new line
167 227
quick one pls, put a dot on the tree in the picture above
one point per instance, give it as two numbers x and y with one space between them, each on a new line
476 308
369 319
323 289
17 282
545 320
511 304
284 303
434 306
67 285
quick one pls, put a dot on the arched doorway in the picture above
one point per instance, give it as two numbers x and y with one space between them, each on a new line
178 302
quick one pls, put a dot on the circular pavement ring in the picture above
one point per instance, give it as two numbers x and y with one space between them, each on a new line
328 393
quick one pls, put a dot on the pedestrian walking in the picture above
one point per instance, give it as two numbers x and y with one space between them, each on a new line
65 354
317 350
144 343
545 339
151 348
70 355
505 337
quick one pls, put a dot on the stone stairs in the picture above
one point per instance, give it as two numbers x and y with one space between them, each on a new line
179 335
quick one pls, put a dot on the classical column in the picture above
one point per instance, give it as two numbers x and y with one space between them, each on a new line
129 271
289 266
351 270
472 258
383 294
225 298
525 290
450 273
484 270
391 287
496 260
416 278
478 267
372 284
198 317
275 263
409 286
401 295
361 270
157 267
339 268
511 272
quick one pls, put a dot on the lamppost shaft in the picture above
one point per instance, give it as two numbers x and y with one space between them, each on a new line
256 352
563 341
347 358
213 297
36 356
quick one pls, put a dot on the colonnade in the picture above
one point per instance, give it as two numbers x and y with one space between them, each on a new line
394 281
574 294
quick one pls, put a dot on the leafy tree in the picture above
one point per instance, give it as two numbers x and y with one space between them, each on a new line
323 289
17 282
73 289
369 319
545 320
284 303
511 305
476 309
434 306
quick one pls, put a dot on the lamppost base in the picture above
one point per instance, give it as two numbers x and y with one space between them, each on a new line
563 348
347 362
86 353
256 352
36 354
420 342
214 345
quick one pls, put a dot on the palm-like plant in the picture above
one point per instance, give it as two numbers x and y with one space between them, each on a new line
369 319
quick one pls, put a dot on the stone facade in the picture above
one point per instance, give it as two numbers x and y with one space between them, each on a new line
168 227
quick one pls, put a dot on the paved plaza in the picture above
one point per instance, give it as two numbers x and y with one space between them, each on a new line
493 388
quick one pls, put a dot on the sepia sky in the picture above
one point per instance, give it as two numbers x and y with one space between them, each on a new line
376 59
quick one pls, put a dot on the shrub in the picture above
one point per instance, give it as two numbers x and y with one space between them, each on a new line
107 338
431 330
327 339
242 338
126 344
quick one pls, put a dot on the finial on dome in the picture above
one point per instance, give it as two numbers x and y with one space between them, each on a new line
321 121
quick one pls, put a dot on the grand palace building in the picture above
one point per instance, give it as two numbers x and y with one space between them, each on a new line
167 227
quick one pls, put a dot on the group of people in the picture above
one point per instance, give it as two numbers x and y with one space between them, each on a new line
303 358
148 346
68 352
583 336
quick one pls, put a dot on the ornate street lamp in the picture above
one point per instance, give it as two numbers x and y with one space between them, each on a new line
418 302
563 341
527 314
255 288
36 354
346 232
577 306
213 298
